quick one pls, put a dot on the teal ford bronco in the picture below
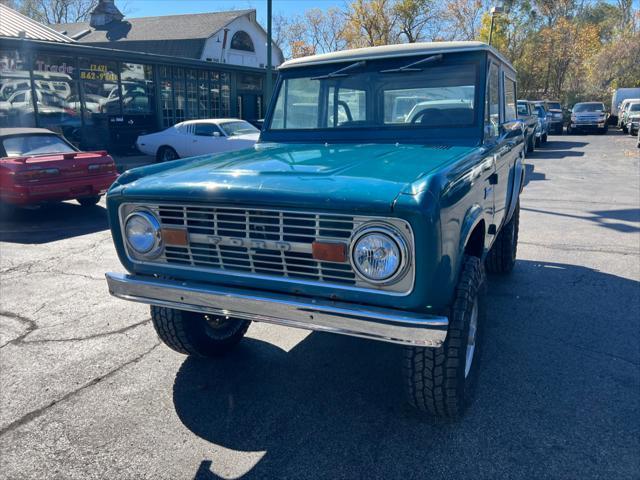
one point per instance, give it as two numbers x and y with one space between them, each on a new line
385 181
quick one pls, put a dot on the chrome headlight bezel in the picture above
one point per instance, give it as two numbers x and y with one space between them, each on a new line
392 234
156 248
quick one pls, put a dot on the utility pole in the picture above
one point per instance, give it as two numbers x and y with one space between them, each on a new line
269 80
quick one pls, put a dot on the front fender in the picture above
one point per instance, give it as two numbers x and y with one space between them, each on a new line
472 219
518 185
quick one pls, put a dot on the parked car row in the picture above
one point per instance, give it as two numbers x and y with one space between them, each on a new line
629 117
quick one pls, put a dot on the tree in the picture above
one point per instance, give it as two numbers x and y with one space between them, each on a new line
57 11
462 19
414 17
370 23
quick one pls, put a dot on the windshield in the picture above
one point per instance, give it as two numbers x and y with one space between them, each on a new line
523 109
635 107
232 129
589 107
423 97
554 106
35 145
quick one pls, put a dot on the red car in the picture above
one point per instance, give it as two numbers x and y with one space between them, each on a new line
39 166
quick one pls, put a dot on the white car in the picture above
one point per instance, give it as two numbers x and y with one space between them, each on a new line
199 137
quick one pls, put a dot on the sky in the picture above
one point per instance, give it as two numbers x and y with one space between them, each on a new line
148 8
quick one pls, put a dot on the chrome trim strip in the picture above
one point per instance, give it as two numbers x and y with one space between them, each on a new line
387 325
401 288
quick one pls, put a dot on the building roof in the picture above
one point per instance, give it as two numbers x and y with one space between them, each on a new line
14 24
386 51
174 35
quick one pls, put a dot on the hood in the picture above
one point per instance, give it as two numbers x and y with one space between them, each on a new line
355 177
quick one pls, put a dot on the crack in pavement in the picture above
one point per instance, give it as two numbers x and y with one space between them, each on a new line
88 337
32 327
54 272
38 412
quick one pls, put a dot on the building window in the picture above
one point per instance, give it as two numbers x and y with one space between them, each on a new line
204 105
214 85
100 99
179 94
166 96
15 110
225 95
56 87
192 94
137 88
242 41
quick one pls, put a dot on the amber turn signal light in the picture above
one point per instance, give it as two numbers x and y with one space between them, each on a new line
329 252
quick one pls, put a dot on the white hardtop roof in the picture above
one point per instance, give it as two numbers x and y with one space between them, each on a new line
388 51
210 120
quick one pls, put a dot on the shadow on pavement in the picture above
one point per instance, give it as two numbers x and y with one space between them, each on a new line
530 175
52 222
558 389
603 217
556 149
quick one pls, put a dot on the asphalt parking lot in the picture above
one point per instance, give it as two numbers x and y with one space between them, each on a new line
87 391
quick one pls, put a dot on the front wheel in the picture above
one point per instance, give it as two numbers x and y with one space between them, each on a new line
441 380
197 334
166 154
502 256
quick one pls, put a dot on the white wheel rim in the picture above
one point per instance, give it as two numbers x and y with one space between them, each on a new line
471 339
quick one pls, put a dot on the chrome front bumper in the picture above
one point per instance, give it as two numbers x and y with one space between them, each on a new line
375 323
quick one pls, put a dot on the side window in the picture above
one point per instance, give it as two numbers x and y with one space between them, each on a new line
206 129
492 108
509 99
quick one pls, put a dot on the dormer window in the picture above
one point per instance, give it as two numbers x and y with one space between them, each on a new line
242 41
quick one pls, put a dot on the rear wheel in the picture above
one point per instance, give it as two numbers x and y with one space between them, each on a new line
441 381
166 154
197 334
502 256
89 201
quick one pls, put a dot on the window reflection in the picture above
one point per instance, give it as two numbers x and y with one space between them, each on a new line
16 106
137 88
58 100
101 99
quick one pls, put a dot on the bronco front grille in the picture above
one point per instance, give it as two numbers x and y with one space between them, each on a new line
280 241
265 242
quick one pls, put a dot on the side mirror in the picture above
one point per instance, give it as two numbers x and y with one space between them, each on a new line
215 134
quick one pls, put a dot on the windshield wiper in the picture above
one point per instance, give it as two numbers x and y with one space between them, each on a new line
341 72
412 66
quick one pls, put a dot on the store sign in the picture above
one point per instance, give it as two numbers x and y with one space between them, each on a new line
98 72
42 66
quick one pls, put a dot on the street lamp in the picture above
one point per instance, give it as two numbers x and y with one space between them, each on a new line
498 9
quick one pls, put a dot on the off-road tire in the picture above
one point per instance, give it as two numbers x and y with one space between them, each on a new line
502 256
89 201
434 378
192 334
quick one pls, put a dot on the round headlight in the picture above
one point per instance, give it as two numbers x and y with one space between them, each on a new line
377 255
142 231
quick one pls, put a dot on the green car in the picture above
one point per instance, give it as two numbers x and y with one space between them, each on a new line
385 182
